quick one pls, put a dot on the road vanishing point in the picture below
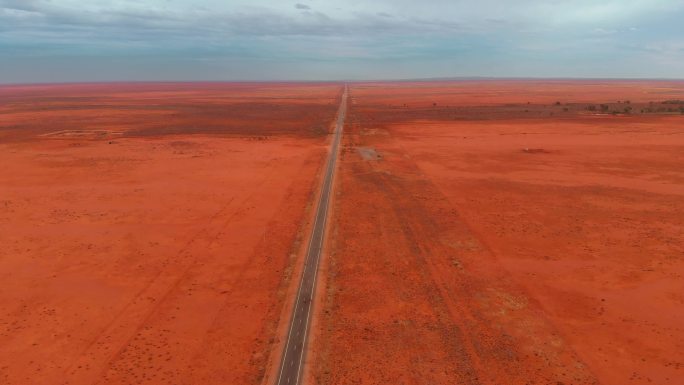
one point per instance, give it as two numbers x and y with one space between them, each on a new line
295 347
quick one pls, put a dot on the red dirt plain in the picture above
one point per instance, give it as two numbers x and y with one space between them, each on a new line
485 235
148 231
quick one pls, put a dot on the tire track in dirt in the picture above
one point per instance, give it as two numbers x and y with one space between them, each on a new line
494 353
148 287
491 278
99 355
215 341
495 332
404 211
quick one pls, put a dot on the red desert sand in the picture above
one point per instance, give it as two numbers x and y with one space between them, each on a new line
148 231
507 232
483 232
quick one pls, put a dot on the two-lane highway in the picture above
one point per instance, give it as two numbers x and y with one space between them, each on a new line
295 347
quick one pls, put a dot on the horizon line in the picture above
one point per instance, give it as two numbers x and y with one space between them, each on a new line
420 79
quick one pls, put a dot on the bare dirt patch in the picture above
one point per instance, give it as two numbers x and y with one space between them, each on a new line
367 153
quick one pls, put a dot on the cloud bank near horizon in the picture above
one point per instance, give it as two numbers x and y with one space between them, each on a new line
87 40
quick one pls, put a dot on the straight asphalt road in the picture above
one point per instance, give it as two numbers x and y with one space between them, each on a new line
295 347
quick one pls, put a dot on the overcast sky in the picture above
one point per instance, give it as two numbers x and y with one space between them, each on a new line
91 40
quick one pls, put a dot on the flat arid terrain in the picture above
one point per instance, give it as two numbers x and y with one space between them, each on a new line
507 232
480 232
149 231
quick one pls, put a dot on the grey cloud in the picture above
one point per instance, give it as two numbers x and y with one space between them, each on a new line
118 23
125 19
446 33
21 5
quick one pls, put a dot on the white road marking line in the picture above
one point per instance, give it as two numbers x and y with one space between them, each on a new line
333 163
327 183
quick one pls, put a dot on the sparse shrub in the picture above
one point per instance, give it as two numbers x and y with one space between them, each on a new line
604 107
558 103
591 108
566 109
628 110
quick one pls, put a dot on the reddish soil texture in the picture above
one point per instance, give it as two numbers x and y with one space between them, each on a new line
502 249
143 109
161 259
